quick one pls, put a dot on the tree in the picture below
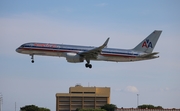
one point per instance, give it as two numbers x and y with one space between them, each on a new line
78 109
145 106
33 108
44 109
109 107
159 107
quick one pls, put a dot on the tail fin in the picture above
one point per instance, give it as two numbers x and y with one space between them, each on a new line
148 44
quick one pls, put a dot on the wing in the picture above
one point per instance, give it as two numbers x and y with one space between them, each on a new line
93 53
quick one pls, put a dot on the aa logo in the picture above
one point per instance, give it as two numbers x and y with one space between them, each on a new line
147 44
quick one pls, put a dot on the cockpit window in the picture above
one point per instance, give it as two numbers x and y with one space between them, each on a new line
27 45
22 45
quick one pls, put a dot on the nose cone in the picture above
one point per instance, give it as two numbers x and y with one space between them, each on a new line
18 50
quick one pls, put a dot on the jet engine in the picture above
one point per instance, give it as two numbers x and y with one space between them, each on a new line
74 58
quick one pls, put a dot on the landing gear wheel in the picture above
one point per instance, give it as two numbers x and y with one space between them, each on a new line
88 65
32 58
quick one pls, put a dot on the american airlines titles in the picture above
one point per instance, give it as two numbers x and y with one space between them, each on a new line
46 45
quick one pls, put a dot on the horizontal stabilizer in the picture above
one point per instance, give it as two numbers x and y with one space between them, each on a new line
149 55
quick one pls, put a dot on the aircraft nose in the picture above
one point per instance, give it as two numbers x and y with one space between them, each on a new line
18 50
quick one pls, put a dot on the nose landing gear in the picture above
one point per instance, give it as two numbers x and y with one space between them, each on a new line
32 58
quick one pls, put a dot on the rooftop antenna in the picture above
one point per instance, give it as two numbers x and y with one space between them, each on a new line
137 100
1 101
15 106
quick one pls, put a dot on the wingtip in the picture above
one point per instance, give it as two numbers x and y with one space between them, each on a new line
157 30
106 42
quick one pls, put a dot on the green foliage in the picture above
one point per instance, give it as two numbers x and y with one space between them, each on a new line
44 109
109 107
33 108
159 107
145 106
90 109
77 109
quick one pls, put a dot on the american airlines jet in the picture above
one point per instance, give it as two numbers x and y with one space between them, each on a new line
77 54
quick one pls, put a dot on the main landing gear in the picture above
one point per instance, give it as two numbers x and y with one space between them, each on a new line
88 65
32 58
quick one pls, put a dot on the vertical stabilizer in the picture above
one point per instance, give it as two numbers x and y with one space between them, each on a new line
148 44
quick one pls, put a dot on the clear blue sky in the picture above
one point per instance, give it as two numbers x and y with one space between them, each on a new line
84 22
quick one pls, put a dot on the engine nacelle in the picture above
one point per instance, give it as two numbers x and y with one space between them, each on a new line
74 58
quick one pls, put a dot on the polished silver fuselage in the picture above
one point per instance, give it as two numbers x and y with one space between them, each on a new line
61 50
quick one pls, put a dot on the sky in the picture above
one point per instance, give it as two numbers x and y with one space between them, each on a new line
89 22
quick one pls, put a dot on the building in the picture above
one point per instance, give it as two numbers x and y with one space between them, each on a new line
82 97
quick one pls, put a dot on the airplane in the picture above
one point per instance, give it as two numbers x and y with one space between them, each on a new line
77 54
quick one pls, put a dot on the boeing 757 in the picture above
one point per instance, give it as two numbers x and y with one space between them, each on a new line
77 54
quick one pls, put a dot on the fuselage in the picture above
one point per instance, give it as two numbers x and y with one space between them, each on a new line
61 50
